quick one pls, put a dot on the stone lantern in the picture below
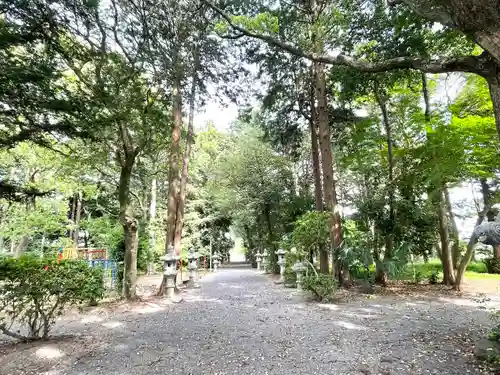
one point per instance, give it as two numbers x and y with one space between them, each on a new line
193 268
299 268
281 262
216 261
169 272
265 261
259 260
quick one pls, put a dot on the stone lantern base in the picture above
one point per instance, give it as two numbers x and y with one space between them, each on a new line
170 293
192 283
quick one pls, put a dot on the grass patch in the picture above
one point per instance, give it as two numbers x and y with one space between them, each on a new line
475 270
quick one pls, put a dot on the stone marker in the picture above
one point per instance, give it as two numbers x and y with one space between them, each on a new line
265 261
169 271
299 268
259 260
281 262
193 268
215 261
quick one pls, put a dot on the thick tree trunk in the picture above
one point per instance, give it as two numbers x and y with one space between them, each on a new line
130 228
455 249
181 204
173 173
78 213
329 189
152 227
446 259
129 224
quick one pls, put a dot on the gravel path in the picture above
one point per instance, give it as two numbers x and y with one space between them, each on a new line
239 322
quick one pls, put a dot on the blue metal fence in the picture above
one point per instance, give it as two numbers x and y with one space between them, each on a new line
110 271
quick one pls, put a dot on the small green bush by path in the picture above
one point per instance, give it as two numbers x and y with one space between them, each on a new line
35 291
322 286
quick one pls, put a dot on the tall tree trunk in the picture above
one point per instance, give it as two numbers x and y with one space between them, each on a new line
329 188
78 212
152 227
455 249
173 173
181 204
130 228
313 128
389 236
448 275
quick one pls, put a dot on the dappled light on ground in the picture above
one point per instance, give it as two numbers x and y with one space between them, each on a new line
112 324
348 325
49 352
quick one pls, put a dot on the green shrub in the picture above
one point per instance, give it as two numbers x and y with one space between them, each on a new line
492 265
434 277
34 291
419 276
322 286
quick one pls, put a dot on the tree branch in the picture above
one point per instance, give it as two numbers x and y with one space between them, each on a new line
481 65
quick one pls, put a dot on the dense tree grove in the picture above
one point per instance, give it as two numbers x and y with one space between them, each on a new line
350 156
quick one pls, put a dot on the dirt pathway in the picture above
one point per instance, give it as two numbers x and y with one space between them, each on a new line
239 322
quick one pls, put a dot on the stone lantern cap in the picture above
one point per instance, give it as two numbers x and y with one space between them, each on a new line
192 255
169 257
216 256
281 252
265 253
299 267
